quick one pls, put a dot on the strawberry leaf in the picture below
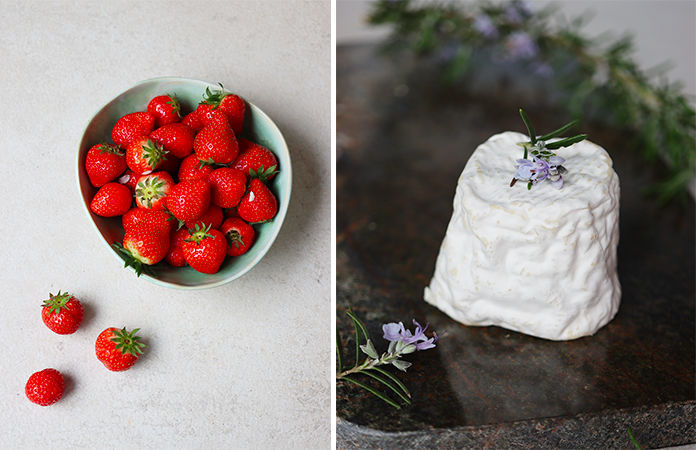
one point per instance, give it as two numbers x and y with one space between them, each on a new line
57 302
128 342
263 174
132 261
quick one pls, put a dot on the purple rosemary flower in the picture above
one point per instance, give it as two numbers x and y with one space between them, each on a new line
485 26
397 332
520 46
543 69
537 170
517 12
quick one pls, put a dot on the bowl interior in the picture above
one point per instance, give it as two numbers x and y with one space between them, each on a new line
258 128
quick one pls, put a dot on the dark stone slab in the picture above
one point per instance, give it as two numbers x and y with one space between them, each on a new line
399 158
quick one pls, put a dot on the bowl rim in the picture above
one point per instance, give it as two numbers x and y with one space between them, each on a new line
280 215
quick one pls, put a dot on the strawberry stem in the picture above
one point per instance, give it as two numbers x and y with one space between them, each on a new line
132 261
263 174
128 342
57 302
199 234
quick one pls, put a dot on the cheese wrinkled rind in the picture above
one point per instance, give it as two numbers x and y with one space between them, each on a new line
541 261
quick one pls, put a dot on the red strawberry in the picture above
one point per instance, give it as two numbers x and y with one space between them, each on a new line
192 168
62 313
212 218
151 191
45 387
230 104
258 204
189 200
175 138
118 349
144 245
231 212
132 126
175 254
205 114
170 165
165 108
256 161
104 163
143 155
112 199
205 249
227 187
158 219
216 142
129 179
191 120
239 234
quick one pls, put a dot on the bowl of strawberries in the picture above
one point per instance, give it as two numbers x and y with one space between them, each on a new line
186 182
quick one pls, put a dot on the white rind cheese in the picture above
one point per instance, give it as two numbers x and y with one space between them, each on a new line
540 261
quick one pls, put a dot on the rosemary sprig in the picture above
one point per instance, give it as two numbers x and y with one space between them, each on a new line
369 365
596 80
402 342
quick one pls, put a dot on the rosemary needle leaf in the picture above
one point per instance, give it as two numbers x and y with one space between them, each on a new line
369 389
566 142
558 132
530 127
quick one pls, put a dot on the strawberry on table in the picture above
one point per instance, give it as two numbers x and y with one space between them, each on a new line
258 204
144 245
132 126
166 109
175 138
189 200
104 163
143 155
45 387
256 161
239 234
205 249
111 200
62 313
227 186
118 349
230 104
152 189
216 142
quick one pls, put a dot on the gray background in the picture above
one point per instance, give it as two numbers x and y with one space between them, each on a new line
664 30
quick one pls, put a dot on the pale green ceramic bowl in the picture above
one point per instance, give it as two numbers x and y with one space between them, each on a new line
258 127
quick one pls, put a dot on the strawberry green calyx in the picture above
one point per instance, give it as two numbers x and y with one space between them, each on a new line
132 261
199 234
57 302
235 238
153 153
263 174
209 162
213 98
175 104
150 190
128 342
112 149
